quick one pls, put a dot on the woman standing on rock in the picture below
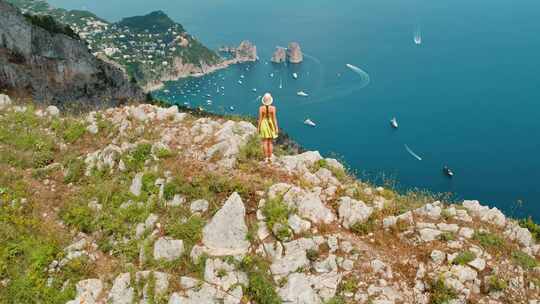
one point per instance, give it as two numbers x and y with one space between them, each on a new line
267 126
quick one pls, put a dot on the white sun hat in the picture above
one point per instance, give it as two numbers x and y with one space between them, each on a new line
267 99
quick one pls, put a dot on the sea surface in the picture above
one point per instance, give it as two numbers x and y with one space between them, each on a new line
468 96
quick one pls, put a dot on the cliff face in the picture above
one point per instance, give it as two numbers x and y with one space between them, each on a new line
55 68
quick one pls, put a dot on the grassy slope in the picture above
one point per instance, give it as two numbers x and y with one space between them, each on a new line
43 185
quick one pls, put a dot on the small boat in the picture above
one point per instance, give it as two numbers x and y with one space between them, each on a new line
448 171
302 94
208 95
271 75
309 122
294 75
239 81
166 91
254 90
223 88
281 84
242 76
394 123
209 102
231 108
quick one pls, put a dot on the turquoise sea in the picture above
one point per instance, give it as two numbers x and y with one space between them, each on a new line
468 96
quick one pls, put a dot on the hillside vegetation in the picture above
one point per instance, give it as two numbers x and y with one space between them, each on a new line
143 204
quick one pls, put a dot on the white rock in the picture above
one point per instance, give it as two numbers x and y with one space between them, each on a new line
298 290
168 113
466 232
295 256
352 211
121 291
92 128
226 233
297 224
139 114
88 291
136 184
53 111
438 256
429 234
448 227
478 264
5 101
463 273
199 205
168 249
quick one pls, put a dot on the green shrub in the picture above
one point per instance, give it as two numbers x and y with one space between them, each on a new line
190 231
464 258
348 285
336 300
134 160
533 227
68 129
524 260
440 293
447 236
260 289
276 211
252 150
78 215
49 24
496 284
487 239
312 254
75 170
365 227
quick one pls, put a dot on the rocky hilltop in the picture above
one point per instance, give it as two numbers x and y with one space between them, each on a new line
54 67
143 204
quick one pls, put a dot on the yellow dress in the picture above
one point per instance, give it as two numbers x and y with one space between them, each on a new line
267 129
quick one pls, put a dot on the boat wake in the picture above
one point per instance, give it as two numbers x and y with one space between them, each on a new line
363 75
411 152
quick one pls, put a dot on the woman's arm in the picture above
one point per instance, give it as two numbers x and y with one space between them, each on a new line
259 120
274 117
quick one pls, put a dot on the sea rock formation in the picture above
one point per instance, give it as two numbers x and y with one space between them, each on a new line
294 53
55 68
280 55
246 52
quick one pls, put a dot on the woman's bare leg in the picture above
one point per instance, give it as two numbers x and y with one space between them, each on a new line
270 148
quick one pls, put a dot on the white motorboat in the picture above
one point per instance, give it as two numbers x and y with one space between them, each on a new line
281 84
302 94
239 81
295 76
394 123
310 123
271 75
254 90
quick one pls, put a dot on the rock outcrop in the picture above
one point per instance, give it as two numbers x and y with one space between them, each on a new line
55 68
246 52
183 222
280 55
294 53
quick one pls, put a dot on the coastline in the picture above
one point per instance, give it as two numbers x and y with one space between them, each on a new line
189 70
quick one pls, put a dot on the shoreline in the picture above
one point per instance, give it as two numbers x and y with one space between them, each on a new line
196 72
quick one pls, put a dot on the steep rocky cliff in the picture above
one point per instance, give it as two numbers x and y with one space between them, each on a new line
55 68
294 53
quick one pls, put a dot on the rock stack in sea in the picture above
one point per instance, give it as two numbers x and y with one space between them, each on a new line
247 51
280 55
294 53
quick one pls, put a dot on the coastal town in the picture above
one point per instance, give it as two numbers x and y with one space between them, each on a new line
145 47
